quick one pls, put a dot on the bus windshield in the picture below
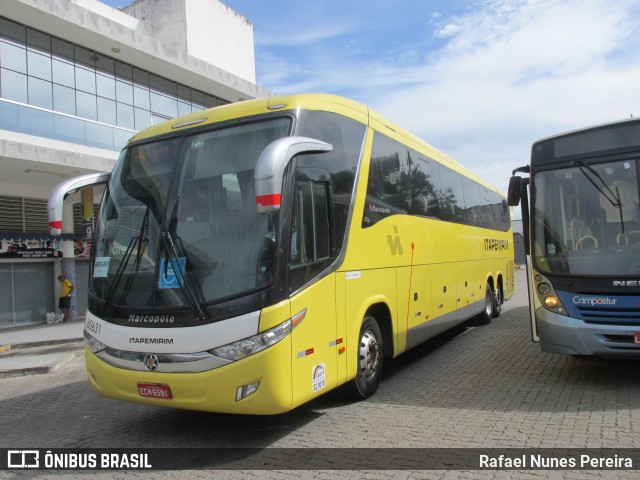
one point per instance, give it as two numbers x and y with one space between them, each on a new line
586 219
186 206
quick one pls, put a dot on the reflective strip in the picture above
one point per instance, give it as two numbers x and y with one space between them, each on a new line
308 351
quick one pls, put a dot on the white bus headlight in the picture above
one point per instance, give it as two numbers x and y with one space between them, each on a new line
248 346
92 343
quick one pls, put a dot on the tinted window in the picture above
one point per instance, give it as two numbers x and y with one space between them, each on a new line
472 214
388 188
425 182
347 137
310 242
401 181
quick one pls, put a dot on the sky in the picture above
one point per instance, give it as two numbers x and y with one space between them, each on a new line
480 80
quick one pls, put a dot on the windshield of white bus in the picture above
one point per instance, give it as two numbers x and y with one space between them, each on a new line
186 206
586 219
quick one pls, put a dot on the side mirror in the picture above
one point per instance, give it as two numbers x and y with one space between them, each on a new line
66 188
271 166
515 191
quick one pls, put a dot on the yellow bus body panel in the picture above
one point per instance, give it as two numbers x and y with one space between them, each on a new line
421 269
212 390
314 359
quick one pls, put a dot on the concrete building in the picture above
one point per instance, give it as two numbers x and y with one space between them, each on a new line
77 79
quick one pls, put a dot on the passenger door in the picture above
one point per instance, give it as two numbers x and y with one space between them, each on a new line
314 355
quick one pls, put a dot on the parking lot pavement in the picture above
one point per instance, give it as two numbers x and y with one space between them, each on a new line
482 387
492 387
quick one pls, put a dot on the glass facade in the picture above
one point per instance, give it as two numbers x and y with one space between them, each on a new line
52 88
56 89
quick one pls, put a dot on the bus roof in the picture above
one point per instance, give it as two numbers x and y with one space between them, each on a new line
619 136
258 106
599 126
306 101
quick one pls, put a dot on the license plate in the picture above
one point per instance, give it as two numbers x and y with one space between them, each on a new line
636 338
154 390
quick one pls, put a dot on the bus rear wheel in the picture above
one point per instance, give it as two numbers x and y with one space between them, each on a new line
369 362
488 312
497 302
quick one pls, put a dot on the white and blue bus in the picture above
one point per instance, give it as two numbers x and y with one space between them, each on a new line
581 218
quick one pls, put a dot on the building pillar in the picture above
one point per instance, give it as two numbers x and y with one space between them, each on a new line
87 217
68 257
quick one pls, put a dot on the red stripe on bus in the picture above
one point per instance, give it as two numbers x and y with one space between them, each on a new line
267 200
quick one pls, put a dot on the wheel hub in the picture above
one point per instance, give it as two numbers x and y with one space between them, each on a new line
488 303
369 355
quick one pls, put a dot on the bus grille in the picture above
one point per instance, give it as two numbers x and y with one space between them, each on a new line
621 317
622 310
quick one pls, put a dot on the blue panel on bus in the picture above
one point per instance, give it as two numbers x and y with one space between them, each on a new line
606 309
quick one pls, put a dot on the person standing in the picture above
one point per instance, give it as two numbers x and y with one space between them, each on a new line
64 303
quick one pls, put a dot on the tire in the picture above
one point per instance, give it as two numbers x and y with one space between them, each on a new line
484 317
497 302
370 360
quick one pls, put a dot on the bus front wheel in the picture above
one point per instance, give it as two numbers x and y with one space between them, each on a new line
369 362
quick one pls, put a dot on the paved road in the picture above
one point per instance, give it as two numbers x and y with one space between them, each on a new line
484 387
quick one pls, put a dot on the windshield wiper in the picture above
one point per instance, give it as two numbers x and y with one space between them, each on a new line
181 277
135 241
612 198
118 275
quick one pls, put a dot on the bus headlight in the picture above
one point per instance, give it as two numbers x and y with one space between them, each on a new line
248 346
551 302
547 295
93 344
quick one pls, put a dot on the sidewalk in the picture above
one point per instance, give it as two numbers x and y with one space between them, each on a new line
39 349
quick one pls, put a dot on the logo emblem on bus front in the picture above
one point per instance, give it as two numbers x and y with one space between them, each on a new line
151 362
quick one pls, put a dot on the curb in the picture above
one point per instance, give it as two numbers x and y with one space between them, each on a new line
47 343
23 372
37 358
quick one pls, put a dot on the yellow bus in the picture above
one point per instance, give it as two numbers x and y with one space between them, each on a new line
248 258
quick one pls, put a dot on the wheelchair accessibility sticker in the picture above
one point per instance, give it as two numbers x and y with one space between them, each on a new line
170 276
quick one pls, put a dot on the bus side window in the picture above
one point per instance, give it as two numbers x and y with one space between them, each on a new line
310 232
423 188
